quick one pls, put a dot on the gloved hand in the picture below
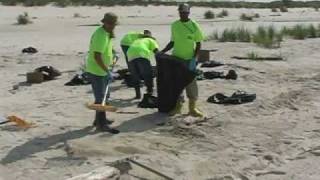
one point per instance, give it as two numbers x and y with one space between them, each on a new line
111 76
193 64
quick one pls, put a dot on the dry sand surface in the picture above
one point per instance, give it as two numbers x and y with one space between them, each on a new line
276 137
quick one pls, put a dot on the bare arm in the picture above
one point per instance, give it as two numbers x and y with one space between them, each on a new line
98 58
196 51
168 47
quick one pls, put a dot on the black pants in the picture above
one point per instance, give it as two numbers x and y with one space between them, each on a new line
140 68
125 50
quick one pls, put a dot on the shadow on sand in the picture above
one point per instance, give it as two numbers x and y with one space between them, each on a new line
143 123
37 145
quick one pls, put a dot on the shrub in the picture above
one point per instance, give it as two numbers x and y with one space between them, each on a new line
256 15
274 10
253 56
312 31
223 13
30 3
209 15
233 35
245 17
283 9
62 3
9 2
267 37
23 19
76 15
228 35
243 35
299 32
316 8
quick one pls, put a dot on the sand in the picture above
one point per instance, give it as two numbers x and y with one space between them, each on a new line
276 137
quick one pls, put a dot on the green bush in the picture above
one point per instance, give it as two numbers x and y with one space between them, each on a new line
245 17
223 13
274 10
283 9
23 19
9 2
299 32
312 31
267 37
253 56
233 35
209 15
62 3
30 3
228 35
243 35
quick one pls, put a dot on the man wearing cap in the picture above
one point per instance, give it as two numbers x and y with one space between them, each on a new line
139 56
97 66
186 37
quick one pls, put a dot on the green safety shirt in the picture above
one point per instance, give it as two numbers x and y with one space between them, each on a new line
185 35
102 43
142 48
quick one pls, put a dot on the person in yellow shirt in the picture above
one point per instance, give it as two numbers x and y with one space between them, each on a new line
97 66
139 55
186 37
126 42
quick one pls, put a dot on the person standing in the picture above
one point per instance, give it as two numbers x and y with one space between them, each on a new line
186 37
139 56
97 66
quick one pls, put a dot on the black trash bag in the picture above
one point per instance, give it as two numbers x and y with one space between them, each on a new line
213 75
122 73
30 50
148 101
238 97
78 79
232 75
211 64
49 72
172 77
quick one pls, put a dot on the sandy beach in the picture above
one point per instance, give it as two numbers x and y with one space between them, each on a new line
276 137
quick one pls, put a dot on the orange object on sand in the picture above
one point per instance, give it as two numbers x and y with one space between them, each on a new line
18 121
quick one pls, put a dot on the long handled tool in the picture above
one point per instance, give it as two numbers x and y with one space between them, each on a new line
18 121
119 164
103 106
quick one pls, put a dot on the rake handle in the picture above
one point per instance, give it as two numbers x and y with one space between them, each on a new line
4 122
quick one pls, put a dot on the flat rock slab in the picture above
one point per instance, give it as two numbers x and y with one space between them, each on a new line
103 173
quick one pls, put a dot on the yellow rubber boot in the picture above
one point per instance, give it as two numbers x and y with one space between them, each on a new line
193 110
177 109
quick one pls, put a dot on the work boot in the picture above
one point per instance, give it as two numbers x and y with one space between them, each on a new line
193 110
105 128
138 92
108 122
177 109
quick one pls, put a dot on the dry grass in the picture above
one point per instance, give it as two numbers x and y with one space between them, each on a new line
23 19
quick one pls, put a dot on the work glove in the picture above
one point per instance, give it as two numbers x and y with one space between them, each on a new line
193 64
